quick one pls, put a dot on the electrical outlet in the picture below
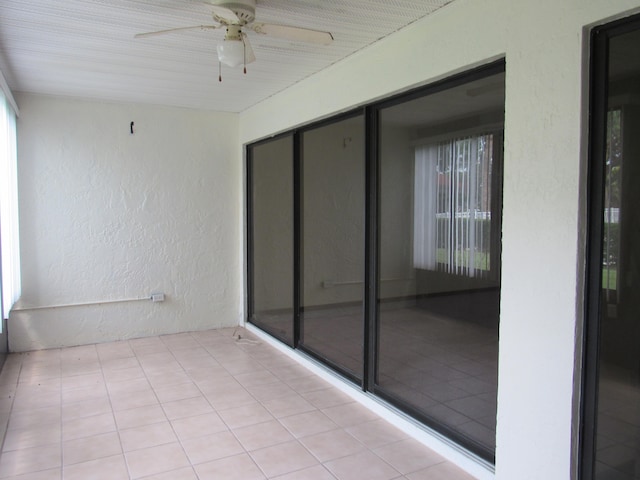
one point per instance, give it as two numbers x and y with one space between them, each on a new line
157 297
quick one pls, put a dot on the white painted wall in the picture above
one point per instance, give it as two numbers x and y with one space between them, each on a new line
105 215
544 191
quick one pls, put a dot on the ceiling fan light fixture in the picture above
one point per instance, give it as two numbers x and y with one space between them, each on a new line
231 52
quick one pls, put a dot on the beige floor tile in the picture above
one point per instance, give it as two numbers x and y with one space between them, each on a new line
288 372
283 458
115 364
147 436
308 423
30 460
245 415
317 472
349 414
408 456
32 436
232 397
129 400
259 377
262 435
149 349
161 378
91 448
376 433
26 402
212 447
154 460
36 416
109 468
200 369
441 471
95 392
177 392
86 408
288 405
325 398
270 391
186 473
122 387
198 426
79 381
188 407
52 474
73 368
363 465
136 417
133 372
113 351
88 426
307 384
239 467
333 444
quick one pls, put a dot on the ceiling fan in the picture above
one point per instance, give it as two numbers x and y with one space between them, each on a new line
237 16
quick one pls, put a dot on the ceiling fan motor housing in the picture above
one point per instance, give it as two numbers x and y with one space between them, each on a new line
245 10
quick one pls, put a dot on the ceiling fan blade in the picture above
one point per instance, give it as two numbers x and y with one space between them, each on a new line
171 30
296 34
249 56
224 14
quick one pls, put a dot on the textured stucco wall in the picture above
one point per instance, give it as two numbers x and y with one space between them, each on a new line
543 42
105 215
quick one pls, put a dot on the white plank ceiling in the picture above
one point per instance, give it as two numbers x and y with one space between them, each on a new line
85 48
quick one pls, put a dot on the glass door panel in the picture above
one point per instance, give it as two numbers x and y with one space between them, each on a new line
333 195
439 252
271 220
617 443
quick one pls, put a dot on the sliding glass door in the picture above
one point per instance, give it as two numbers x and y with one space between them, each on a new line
439 265
611 433
271 236
332 276
375 245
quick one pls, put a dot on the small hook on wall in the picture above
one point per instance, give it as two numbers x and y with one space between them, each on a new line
131 128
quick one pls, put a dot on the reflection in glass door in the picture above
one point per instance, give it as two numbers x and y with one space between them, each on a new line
439 281
333 197
271 235
611 436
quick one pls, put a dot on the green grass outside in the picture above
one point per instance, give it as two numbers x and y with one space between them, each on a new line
609 278
462 258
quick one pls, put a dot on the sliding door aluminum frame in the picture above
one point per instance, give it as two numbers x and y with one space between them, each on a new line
596 175
371 326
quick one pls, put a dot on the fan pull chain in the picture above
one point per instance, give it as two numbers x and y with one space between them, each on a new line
244 54
219 71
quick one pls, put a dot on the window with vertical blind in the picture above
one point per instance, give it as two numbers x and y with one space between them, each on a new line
452 205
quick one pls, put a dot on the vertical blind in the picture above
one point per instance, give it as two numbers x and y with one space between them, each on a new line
9 245
452 206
